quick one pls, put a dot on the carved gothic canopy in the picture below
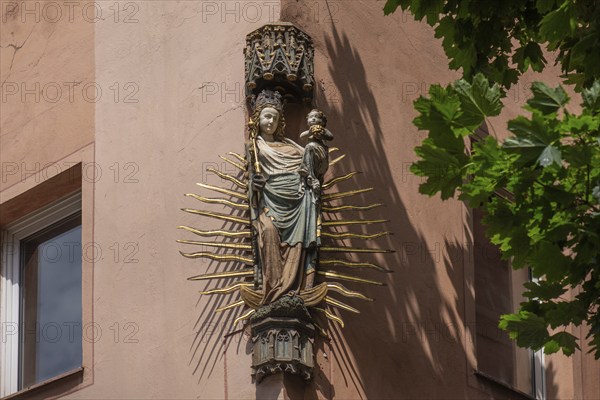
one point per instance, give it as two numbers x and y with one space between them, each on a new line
280 56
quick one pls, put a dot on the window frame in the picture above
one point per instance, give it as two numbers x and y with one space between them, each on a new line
536 358
10 281
538 367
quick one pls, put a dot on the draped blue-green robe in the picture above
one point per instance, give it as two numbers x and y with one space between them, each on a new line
288 206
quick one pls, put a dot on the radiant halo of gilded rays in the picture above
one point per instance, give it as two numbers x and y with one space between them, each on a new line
239 252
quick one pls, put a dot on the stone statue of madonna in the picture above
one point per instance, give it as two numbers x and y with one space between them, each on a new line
284 210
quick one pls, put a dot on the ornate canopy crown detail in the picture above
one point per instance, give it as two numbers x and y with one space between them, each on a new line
280 56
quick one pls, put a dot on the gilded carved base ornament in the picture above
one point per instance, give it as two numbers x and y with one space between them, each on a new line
285 227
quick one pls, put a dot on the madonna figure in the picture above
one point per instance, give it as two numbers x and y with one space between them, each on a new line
284 210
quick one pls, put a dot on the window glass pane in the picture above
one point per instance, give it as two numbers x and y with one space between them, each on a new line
51 302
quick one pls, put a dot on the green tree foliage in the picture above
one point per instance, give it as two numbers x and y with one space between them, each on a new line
502 39
540 188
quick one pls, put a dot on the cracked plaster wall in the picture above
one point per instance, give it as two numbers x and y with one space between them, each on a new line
43 68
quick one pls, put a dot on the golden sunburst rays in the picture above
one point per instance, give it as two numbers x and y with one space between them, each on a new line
350 208
344 291
248 272
330 183
243 317
230 245
353 222
344 249
340 195
230 178
352 264
238 165
330 308
241 158
219 257
349 278
339 304
225 202
350 235
235 304
237 246
232 193
343 224
330 315
226 290
223 217
337 160
216 233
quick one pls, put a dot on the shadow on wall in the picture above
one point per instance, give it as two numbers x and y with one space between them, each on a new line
410 331
415 328
551 386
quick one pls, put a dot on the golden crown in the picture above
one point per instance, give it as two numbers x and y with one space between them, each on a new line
269 98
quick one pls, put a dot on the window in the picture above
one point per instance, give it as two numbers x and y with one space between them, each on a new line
41 300
498 290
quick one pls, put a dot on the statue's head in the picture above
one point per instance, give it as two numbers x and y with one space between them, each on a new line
268 120
316 117
267 116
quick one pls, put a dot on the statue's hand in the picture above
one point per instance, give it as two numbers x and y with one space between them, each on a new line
313 183
316 129
258 182
316 186
305 135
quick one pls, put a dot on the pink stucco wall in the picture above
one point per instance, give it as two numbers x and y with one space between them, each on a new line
171 76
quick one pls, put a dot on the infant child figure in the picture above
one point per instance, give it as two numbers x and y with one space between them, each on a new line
315 161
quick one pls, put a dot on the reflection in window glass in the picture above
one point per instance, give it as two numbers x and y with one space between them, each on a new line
51 302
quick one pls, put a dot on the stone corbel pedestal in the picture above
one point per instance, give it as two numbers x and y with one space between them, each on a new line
282 344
